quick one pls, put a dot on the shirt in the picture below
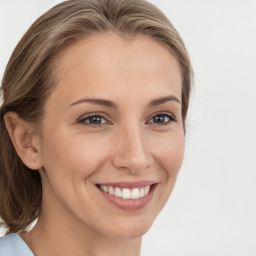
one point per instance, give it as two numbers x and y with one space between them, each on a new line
14 245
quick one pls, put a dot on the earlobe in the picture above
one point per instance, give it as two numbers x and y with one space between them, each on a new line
21 134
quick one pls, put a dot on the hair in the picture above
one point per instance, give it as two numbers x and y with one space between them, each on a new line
29 80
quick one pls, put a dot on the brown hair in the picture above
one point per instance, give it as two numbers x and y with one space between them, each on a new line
29 79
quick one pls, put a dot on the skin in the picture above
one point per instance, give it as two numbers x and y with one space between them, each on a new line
73 156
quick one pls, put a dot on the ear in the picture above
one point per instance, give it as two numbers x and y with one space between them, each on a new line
25 142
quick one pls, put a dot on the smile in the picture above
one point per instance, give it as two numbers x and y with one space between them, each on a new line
126 193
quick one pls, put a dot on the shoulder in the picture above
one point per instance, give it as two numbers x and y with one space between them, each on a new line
13 245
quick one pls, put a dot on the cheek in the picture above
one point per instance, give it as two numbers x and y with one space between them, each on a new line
69 161
72 154
170 153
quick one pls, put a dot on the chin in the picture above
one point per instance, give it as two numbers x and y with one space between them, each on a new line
130 230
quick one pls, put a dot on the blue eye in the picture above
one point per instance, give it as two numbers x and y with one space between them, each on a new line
93 120
97 120
162 119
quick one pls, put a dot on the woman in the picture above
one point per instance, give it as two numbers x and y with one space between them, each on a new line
95 97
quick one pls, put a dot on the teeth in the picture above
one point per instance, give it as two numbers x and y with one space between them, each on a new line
111 191
104 188
126 193
142 192
146 190
118 192
135 193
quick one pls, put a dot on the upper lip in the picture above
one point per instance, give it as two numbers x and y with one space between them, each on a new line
129 184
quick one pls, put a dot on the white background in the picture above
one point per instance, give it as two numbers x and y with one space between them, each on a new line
212 210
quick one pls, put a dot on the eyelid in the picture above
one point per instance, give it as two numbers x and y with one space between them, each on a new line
171 115
171 120
88 115
81 119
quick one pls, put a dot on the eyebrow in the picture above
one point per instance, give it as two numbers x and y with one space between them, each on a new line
102 102
163 100
108 103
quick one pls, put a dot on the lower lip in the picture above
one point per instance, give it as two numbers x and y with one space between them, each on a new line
130 204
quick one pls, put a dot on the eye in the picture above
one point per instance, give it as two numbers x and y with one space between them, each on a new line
93 120
163 119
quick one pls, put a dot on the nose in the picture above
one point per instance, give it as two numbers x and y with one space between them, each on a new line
131 150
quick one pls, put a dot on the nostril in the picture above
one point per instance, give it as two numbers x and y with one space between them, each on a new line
132 164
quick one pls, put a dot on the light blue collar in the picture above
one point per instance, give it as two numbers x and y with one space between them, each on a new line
14 245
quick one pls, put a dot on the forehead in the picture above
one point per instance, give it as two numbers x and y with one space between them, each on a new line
105 63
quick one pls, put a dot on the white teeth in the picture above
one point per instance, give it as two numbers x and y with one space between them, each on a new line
111 191
135 193
147 188
118 192
126 193
104 188
142 192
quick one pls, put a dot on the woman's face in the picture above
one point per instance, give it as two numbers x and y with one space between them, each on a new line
113 123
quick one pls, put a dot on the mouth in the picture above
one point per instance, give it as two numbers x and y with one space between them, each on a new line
128 196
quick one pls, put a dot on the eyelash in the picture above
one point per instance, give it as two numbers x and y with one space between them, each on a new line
171 117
